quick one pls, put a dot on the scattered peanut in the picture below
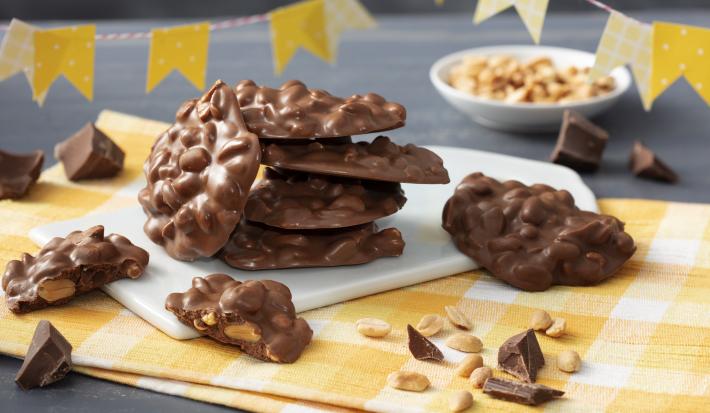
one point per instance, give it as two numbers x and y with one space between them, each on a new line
457 318
460 401
469 363
535 81
430 324
464 342
568 361
480 375
557 329
55 290
373 327
540 320
408 380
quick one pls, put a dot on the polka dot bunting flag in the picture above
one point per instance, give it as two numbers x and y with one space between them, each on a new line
181 48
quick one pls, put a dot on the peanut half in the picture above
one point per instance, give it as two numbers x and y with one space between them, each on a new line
469 363
557 329
460 400
430 324
245 331
373 327
464 342
568 361
55 290
457 318
540 320
480 375
408 380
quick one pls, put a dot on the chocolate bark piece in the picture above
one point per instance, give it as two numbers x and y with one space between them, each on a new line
293 200
199 173
48 358
534 236
580 144
89 154
521 356
257 316
18 172
523 393
644 163
379 160
294 111
66 267
421 348
256 246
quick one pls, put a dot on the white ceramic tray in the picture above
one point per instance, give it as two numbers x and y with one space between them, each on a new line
429 252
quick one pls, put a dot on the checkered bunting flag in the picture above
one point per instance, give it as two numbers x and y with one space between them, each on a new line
532 12
626 40
17 53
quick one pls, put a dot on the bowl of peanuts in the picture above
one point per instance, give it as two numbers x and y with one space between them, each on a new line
525 88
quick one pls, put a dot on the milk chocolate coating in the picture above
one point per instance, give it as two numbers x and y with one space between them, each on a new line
257 316
199 173
66 267
18 172
89 154
47 360
258 247
294 111
534 236
293 200
380 160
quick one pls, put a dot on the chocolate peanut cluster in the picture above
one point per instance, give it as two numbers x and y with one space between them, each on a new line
533 237
257 316
66 267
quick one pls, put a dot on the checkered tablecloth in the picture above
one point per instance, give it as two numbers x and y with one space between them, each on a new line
644 335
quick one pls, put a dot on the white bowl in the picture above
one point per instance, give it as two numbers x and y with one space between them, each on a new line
524 117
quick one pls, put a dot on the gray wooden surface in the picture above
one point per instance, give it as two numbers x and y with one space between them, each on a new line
392 60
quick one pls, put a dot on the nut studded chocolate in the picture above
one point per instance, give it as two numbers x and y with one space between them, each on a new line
257 316
258 247
379 160
534 236
199 173
294 111
66 267
293 200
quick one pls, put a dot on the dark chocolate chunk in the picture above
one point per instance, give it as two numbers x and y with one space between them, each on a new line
580 144
534 236
257 316
294 200
421 348
48 358
18 172
521 356
199 173
294 111
258 247
523 393
644 163
89 154
66 267
381 160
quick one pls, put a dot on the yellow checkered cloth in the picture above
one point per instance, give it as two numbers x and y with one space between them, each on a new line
644 335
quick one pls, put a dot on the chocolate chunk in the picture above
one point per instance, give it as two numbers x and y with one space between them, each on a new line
66 267
294 111
381 160
580 144
47 360
258 247
421 348
199 173
523 393
521 356
89 154
257 316
294 200
534 236
644 163
18 172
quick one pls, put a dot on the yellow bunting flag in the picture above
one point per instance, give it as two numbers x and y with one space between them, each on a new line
532 12
181 48
299 25
625 40
342 15
67 51
680 50
17 53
